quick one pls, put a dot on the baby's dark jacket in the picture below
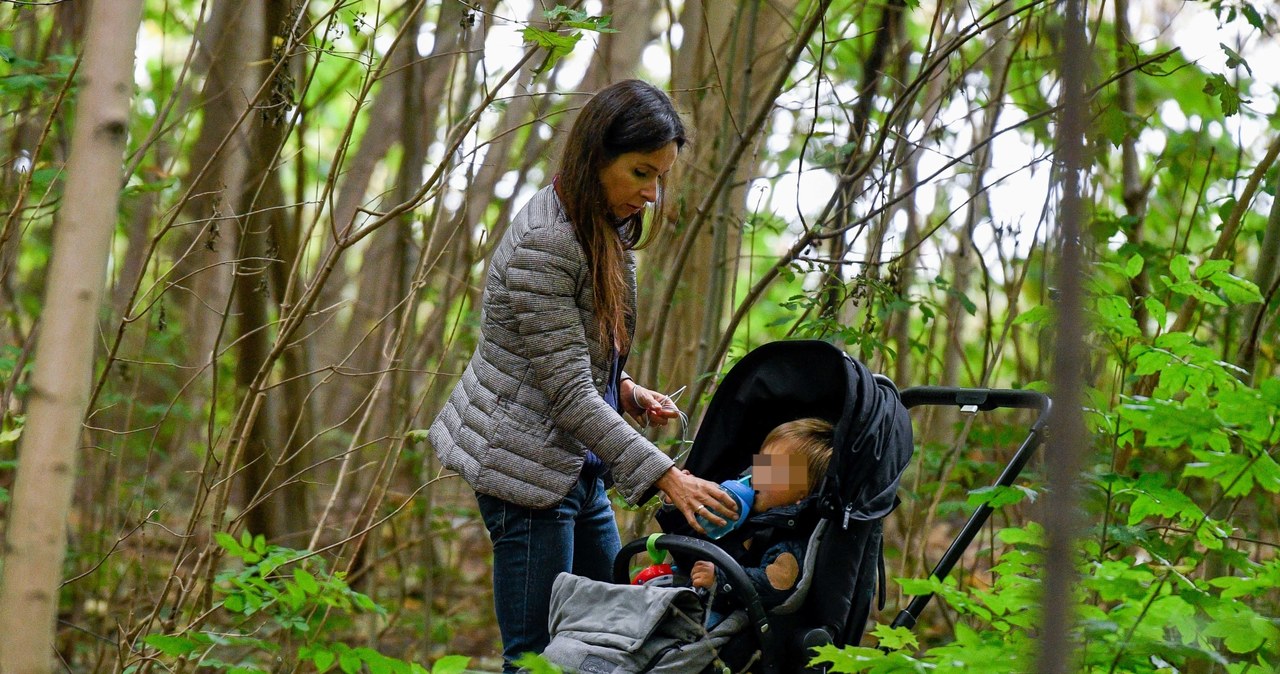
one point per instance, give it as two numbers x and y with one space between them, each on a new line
771 533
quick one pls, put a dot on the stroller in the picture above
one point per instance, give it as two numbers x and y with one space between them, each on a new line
872 439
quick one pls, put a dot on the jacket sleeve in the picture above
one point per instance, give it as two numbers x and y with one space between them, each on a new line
542 280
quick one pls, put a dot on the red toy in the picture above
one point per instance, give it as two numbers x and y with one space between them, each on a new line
657 575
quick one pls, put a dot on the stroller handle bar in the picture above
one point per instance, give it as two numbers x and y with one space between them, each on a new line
737 585
985 399
969 399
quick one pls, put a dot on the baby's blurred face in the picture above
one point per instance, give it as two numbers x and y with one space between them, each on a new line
778 476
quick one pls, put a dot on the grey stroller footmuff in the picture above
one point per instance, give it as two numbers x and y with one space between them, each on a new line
603 628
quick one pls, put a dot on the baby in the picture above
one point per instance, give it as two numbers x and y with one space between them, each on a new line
791 464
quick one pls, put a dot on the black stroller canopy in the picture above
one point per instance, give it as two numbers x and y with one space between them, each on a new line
788 380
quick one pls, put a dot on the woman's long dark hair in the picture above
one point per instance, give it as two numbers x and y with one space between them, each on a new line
628 116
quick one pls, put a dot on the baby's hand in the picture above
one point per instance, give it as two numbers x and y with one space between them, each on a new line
703 574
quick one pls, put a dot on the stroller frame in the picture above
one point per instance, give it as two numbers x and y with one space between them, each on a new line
740 589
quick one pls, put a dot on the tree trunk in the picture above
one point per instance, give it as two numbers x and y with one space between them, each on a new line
720 75
840 302
393 325
36 544
1069 442
1133 194
619 52
275 499
214 181
24 34
377 292
1265 278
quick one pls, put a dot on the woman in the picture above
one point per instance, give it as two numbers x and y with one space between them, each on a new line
535 423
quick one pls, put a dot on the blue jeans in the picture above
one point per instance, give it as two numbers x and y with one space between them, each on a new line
530 547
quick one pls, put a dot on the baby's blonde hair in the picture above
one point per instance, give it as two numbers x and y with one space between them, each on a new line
810 438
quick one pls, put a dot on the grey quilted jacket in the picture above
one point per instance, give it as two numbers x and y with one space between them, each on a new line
530 403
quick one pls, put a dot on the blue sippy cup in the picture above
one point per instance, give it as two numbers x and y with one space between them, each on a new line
744 495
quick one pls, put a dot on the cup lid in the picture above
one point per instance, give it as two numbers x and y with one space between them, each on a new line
742 493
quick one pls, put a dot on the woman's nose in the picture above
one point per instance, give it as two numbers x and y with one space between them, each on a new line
650 191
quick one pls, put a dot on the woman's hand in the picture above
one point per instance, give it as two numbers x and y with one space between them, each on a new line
647 406
694 496
703 574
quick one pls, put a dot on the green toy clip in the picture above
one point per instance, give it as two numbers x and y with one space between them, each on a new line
654 554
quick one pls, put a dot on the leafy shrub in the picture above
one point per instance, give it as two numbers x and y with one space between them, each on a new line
278 606
1166 582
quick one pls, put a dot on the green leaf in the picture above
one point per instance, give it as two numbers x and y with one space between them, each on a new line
1211 536
1114 125
1260 579
24 83
138 187
1036 314
1210 267
997 496
41 178
1234 59
576 18
1235 473
1226 207
228 543
850 659
11 435
594 24
1237 290
451 664
1032 534
234 603
1154 500
969 306
562 13
172 646
1157 310
294 597
1241 629
1228 96
1266 472
918 586
377 662
1150 362
536 664
1115 315
306 581
1133 266
1252 16
1180 267
895 638
319 655
558 45
349 662
1193 289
